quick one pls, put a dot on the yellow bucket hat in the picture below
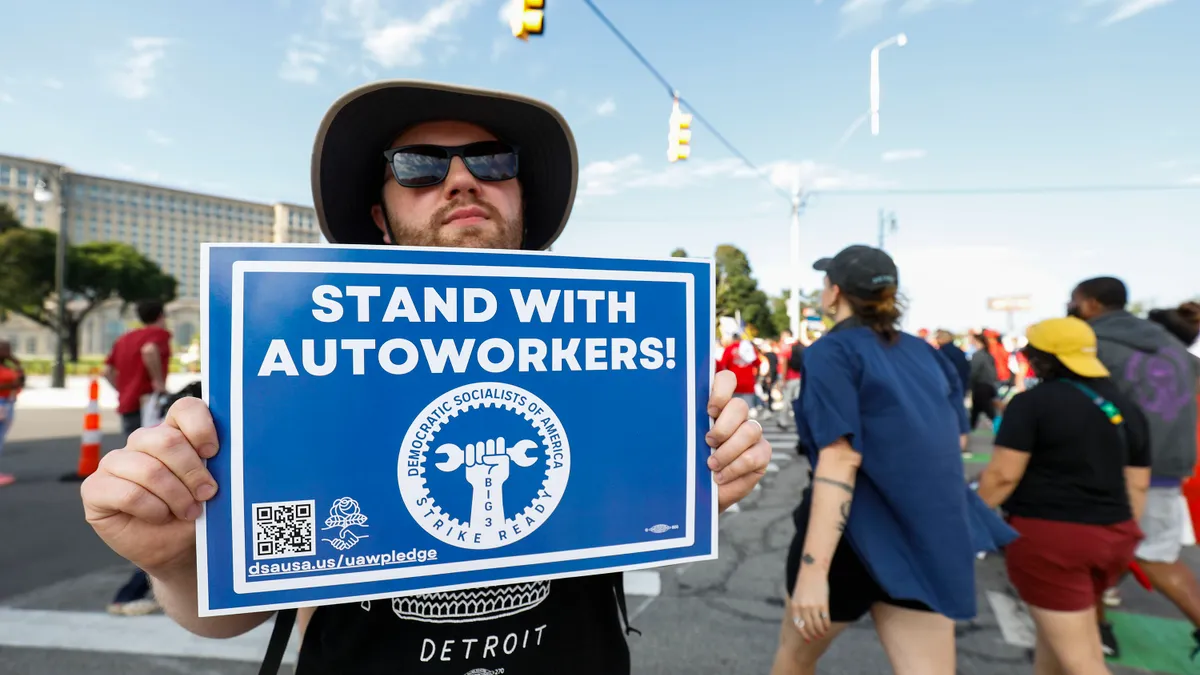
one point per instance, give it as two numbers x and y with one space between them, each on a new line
1072 341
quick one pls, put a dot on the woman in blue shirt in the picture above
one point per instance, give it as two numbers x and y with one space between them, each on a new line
884 526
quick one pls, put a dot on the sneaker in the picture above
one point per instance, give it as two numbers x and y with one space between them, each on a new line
7 479
1112 598
134 607
1108 640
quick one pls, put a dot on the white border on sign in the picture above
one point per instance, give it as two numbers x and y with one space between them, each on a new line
237 496
202 521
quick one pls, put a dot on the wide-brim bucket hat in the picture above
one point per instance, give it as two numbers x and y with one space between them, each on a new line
348 163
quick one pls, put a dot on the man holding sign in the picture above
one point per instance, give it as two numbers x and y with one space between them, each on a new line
418 164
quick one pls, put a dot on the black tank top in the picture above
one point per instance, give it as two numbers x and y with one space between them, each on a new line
535 628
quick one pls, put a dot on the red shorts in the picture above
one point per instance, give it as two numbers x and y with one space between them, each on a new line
1066 567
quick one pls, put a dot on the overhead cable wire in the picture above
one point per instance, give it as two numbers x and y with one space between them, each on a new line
1019 190
673 92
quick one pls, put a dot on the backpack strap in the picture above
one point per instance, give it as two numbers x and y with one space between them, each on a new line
1110 410
280 635
619 591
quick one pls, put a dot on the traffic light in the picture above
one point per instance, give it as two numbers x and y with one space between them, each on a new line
679 139
526 18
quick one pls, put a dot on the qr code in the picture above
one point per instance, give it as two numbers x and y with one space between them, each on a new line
285 529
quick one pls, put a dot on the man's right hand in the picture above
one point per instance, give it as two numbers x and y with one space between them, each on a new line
144 499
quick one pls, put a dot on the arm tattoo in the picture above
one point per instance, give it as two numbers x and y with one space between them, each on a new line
807 559
845 486
845 511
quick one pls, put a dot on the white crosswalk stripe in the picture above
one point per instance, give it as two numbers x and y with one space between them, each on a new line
159 636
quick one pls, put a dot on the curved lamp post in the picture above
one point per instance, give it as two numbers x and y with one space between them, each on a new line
898 40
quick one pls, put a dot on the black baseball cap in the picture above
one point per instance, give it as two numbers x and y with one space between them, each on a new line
861 271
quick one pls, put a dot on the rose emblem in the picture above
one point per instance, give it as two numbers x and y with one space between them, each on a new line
344 513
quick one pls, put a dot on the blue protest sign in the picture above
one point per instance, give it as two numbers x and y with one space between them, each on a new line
399 420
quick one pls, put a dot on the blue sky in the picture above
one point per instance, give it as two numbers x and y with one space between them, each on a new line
225 97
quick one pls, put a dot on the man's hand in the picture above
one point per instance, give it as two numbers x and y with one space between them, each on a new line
144 499
740 454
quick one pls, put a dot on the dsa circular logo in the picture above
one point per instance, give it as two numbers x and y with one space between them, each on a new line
484 465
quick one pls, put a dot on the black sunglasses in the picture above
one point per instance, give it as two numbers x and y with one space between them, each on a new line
425 165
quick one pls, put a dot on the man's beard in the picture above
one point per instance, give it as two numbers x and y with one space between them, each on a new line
497 233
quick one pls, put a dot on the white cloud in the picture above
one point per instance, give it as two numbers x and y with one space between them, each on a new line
1127 9
302 61
859 13
606 107
133 173
917 6
386 40
5 97
136 75
51 83
903 155
606 177
1192 180
630 172
500 47
399 42
158 138
809 175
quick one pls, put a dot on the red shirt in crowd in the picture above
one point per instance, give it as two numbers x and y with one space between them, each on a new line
133 381
747 374
785 355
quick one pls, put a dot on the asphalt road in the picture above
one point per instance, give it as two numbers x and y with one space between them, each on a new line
718 617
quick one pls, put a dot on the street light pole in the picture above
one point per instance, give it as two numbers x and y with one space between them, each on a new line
898 40
43 194
886 221
793 308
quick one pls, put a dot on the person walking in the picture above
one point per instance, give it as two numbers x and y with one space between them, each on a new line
137 368
983 381
12 380
742 359
1155 370
884 527
412 164
945 344
1070 468
793 363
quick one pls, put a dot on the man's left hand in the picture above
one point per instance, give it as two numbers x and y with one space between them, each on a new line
741 453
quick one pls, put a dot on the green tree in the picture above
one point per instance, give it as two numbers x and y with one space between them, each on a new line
679 253
8 219
779 307
737 291
1140 308
96 272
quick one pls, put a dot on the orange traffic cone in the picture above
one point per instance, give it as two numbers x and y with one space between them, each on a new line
89 449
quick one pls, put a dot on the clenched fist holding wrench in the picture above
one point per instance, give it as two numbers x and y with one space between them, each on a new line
487 465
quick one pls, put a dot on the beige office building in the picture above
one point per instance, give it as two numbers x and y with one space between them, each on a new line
166 225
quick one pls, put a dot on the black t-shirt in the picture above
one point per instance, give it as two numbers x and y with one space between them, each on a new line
534 628
1077 460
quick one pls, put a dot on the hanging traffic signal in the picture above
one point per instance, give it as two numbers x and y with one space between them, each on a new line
527 17
679 139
